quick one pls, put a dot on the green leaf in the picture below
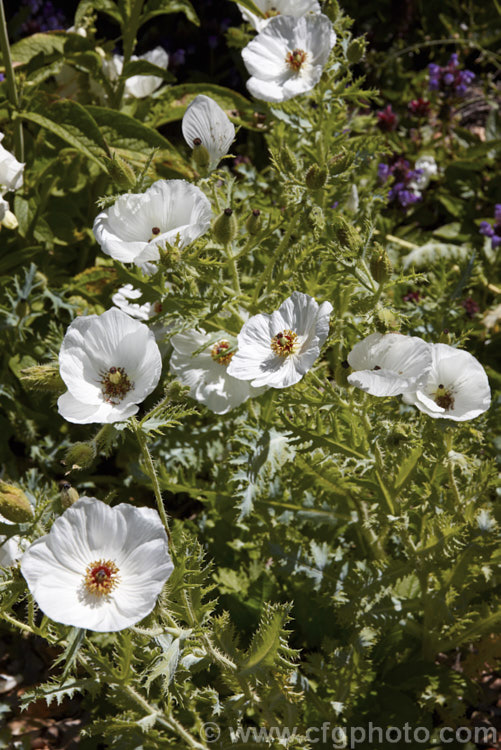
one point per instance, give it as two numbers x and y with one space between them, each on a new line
133 141
408 467
54 691
48 43
73 124
171 104
108 7
161 7
268 643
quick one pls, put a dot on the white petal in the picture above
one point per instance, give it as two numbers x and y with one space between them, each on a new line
294 8
11 170
205 119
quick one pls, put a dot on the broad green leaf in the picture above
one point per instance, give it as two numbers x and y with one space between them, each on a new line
161 7
170 105
50 43
408 467
101 6
134 141
73 124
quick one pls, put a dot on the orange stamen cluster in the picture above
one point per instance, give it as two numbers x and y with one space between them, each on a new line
101 577
295 59
220 353
115 385
284 343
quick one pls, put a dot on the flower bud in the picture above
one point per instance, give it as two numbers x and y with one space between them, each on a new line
287 159
386 321
201 156
380 265
14 505
356 51
347 235
120 172
80 456
68 494
445 338
225 227
316 177
9 221
253 223
340 163
42 378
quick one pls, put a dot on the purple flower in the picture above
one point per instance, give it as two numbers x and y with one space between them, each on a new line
495 240
497 212
383 172
408 197
486 228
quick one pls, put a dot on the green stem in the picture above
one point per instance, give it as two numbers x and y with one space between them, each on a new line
232 264
17 623
266 275
129 33
11 85
150 468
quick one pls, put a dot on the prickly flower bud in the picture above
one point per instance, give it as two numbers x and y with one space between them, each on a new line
386 321
287 159
253 223
380 264
356 50
201 156
43 378
347 235
340 163
120 172
68 494
14 505
225 227
80 456
315 177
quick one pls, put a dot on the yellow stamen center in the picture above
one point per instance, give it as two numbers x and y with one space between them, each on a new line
271 12
115 384
285 343
220 353
295 59
101 577
444 398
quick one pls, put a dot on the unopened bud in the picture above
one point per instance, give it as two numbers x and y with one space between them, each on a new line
201 156
340 163
225 227
356 51
68 494
80 456
120 172
42 378
287 159
380 265
386 321
315 177
14 505
347 235
445 337
253 223
9 220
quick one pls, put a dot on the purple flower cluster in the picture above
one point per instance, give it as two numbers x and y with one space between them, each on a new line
44 16
450 79
493 230
403 190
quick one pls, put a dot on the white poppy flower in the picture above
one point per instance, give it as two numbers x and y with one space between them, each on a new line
172 211
109 363
278 349
138 86
272 8
389 364
11 548
11 170
200 360
206 124
456 388
428 168
99 568
287 58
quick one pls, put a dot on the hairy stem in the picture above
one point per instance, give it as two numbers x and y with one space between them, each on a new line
11 84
